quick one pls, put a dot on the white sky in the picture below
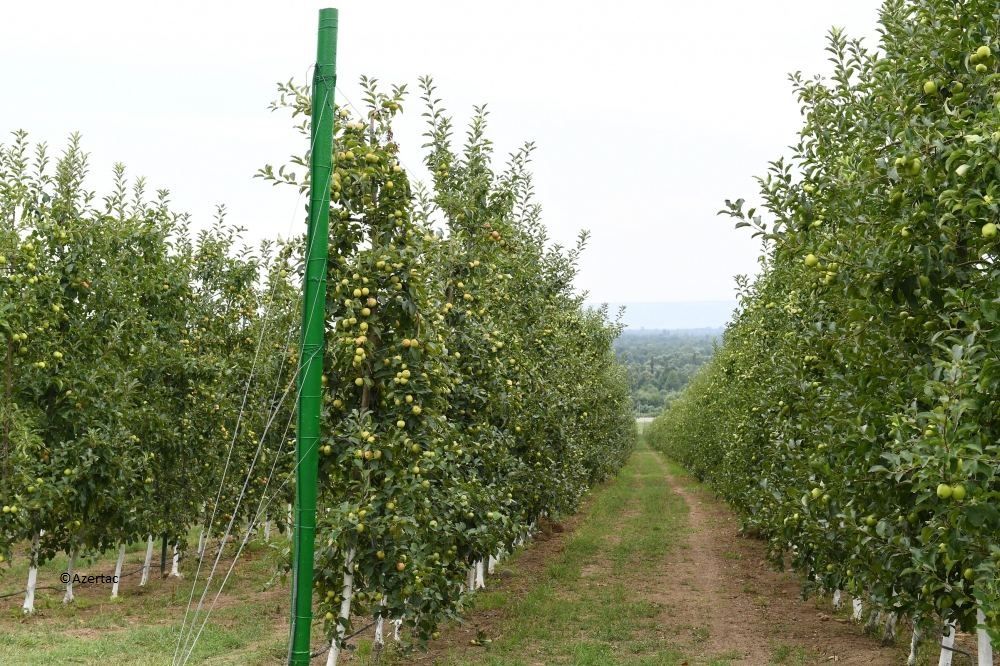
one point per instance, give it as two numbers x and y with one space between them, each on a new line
647 114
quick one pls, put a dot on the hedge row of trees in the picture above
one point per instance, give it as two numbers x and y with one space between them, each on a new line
148 371
127 341
851 413
470 391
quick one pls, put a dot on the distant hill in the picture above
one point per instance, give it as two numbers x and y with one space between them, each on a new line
674 315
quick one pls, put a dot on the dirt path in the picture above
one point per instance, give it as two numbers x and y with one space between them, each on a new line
652 571
756 614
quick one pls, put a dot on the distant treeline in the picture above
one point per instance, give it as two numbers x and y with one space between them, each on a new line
661 362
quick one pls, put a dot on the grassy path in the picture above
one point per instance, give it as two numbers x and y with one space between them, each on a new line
575 600
651 572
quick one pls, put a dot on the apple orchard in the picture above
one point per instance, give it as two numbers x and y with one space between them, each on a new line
851 413
148 370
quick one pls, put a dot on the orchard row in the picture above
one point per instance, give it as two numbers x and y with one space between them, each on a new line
151 370
851 414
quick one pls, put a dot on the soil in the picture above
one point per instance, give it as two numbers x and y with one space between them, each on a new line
750 607
719 598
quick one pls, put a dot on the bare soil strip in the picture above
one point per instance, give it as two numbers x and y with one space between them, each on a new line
756 615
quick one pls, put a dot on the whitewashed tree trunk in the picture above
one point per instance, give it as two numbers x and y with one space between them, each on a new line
174 569
470 579
202 541
29 592
397 625
491 565
118 571
289 523
345 610
379 636
947 643
858 610
837 601
984 646
267 531
147 562
914 644
480 578
68 597
890 628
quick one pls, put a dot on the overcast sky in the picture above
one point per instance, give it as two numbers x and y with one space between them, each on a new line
647 115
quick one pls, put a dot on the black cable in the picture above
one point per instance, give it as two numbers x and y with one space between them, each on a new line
313 655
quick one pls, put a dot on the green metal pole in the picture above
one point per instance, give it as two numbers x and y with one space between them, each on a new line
312 341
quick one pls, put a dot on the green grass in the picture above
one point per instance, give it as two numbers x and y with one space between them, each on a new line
249 626
792 656
585 608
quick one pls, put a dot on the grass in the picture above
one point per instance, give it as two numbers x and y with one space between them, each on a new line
591 603
585 608
248 626
792 656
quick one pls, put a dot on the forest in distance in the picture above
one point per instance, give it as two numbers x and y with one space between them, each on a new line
661 362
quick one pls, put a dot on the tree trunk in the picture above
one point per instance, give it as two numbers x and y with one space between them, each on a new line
914 644
68 597
947 643
858 610
379 637
174 570
147 562
118 571
889 635
163 557
345 610
836 600
873 621
984 652
29 593
480 581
